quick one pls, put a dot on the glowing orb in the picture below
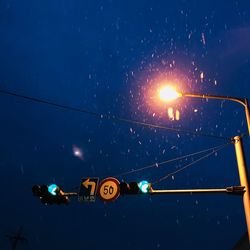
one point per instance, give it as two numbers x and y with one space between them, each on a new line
168 93
77 152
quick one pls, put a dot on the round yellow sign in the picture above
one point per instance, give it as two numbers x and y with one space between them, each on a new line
109 189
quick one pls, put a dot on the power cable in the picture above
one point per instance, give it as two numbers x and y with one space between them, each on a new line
157 165
111 117
190 164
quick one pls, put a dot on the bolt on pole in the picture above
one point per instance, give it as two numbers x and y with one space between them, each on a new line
243 178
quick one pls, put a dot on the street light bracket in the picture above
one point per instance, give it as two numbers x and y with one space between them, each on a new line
242 101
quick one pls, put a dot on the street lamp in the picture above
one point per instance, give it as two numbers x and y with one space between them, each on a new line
168 94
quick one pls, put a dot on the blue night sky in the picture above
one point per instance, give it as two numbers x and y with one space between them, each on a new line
111 57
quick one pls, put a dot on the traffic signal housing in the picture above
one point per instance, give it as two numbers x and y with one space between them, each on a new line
50 194
142 187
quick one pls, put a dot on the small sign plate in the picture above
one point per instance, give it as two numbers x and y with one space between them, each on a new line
109 189
87 190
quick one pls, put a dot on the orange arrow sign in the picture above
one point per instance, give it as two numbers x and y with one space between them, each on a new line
88 183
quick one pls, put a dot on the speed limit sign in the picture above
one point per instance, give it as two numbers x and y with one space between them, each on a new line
109 189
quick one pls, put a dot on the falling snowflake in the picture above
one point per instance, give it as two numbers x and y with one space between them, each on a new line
202 76
203 38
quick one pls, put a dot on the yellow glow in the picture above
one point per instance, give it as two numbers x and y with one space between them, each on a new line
168 93
177 115
173 114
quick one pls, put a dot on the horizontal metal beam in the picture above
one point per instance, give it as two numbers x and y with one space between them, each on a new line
70 194
228 190
242 101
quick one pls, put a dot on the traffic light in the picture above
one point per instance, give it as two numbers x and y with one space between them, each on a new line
51 194
142 187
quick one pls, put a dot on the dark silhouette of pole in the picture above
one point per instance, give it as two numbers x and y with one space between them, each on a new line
16 238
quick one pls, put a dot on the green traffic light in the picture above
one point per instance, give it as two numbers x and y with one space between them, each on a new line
52 189
144 186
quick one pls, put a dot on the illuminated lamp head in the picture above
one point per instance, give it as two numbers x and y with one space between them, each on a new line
168 93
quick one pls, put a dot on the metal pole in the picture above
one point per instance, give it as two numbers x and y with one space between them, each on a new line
234 190
69 194
189 191
243 179
247 115
242 101
217 97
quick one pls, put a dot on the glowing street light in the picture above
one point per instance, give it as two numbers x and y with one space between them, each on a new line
168 93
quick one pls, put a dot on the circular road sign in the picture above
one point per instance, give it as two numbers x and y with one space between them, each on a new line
109 189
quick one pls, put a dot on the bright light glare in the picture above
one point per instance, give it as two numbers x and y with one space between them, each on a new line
77 152
52 189
168 93
144 186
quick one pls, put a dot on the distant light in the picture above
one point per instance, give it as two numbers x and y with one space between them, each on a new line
52 189
144 186
168 93
77 152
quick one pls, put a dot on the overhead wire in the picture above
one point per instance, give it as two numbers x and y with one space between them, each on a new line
159 164
190 164
111 117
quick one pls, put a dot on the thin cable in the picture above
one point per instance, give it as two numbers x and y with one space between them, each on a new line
157 165
109 117
171 129
190 164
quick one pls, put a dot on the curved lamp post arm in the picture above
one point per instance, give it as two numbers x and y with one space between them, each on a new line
242 101
242 168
